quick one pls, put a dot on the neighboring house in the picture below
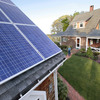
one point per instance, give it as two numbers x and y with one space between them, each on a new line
83 31
28 58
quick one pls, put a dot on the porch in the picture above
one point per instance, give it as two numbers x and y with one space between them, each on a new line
94 43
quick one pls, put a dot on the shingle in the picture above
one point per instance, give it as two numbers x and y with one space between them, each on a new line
20 87
28 81
12 92
5 96
2 89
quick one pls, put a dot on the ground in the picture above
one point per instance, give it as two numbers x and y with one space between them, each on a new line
84 75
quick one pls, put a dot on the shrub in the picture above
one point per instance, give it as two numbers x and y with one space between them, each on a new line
63 47
81 54
78 54
84 54
82 50
89 53
57 43
95 58
62 90
96 53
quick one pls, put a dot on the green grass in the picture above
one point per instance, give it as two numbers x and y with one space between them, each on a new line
84 75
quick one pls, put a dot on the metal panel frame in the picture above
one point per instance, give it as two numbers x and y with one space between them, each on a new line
8 3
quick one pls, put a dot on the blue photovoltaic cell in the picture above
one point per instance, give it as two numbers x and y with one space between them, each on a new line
15 14
45 46
8 1
16 54
3 18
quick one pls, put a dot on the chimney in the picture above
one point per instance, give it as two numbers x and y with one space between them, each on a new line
91 8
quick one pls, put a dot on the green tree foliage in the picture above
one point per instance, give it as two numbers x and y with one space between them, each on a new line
89 53
65 24
62 23
57 25
62 90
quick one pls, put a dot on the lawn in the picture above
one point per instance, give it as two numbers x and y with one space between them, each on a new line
84 75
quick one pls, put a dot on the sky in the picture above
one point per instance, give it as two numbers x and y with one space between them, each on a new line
44 12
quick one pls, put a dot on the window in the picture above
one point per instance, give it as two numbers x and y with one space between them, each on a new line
64 39
97 41
82 25
75 26
91 42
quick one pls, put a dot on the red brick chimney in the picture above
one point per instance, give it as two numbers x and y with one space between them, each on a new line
91 8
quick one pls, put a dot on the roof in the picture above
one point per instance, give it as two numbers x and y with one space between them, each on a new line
92 18
82 17
12 89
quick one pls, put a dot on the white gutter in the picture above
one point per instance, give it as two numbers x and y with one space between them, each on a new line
39 82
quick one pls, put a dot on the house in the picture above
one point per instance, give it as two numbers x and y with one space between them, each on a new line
83 31
28 58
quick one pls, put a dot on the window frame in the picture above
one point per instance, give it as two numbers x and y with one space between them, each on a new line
64 39
83 24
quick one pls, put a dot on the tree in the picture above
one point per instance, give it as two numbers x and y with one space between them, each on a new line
65 23
62 90
57 25
62 23
89 53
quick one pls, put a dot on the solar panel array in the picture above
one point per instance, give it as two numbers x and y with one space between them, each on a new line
3 18
15 52
7 1
15 14
39 40
22 44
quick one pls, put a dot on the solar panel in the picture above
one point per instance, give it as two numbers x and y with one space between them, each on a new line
7 1
45 46
3 18
15 14
16 54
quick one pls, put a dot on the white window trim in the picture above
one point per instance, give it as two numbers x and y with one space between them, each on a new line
83 24
79 42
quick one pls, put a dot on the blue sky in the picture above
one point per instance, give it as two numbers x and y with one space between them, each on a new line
44 12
